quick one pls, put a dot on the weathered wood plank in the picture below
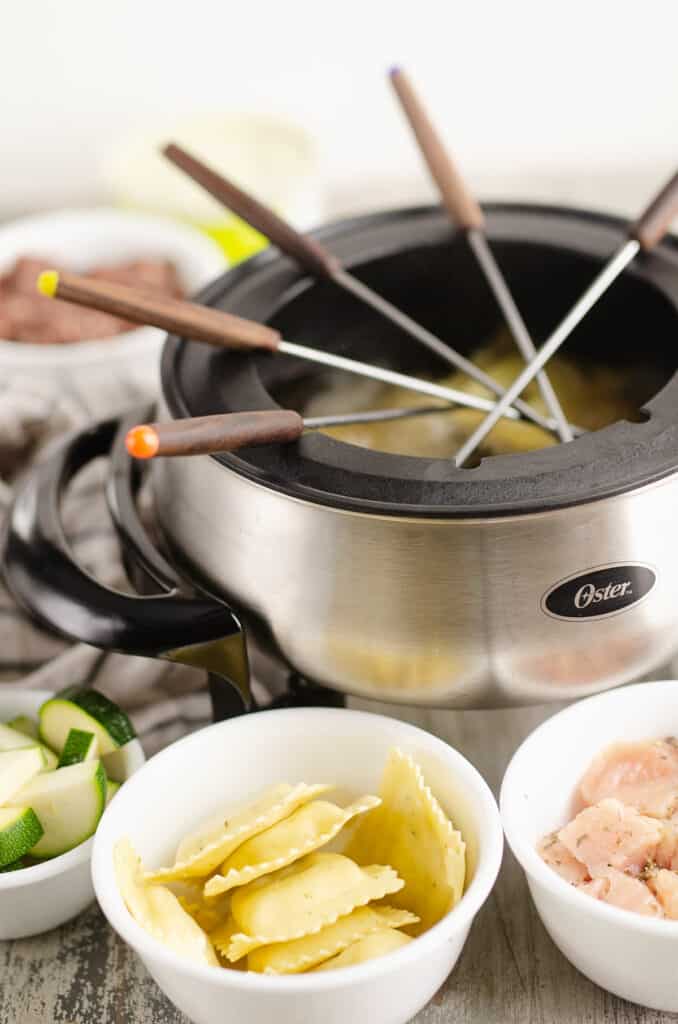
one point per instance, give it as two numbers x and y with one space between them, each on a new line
510 972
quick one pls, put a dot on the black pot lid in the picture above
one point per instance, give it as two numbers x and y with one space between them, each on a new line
415 258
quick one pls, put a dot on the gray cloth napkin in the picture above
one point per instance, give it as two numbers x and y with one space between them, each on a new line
164 701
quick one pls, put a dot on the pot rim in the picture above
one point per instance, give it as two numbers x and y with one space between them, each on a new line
602 464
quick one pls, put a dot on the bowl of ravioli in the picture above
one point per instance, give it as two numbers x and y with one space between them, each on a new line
318 864
590 809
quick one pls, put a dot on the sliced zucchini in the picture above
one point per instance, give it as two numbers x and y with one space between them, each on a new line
124 761
69 803
26 725
16 865
50 758
14 739
86 710
111 789
17 768
20 830
80 746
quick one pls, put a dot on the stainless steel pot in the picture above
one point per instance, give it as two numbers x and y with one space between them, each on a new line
530 578
445 612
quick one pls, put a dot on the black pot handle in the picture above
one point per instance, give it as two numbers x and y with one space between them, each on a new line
44 578
145 566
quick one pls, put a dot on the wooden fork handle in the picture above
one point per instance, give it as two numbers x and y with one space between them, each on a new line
656 220
456 198
188 319
306 252
208 435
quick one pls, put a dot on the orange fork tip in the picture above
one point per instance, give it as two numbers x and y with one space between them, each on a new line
142 442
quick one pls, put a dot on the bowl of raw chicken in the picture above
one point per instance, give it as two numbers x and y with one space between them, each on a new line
589 805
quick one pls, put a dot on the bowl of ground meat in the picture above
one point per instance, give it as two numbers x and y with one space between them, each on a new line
95 361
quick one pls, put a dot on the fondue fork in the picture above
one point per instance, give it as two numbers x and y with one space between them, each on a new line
227 432
645 233
465 211
227 331
312 257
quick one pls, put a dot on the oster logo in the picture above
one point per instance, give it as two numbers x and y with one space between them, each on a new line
599 592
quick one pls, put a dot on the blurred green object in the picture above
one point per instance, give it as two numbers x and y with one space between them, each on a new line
268 155
237 239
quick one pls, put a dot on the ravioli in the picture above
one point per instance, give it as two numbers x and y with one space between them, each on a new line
303 898
211 829
410 832
158 910
205 849
302 954
369 948
304 831
221 936
262 889
209 914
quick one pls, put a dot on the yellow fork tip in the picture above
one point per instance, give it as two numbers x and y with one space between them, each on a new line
48 282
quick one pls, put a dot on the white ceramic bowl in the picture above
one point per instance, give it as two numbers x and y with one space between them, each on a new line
39 898
233 761
107 373
627 954
270 155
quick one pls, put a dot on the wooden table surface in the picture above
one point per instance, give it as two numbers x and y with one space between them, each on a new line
510 971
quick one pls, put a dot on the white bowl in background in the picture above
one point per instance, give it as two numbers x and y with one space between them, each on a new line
234 760
108 373
628 954
39 898
270 155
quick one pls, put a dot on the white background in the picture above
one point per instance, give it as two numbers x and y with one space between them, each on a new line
573 100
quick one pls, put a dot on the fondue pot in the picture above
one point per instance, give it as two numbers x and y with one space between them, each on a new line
530 577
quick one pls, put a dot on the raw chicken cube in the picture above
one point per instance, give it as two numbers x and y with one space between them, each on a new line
667 851
561 860
631 894
642 775
664 885
597 887
610 835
